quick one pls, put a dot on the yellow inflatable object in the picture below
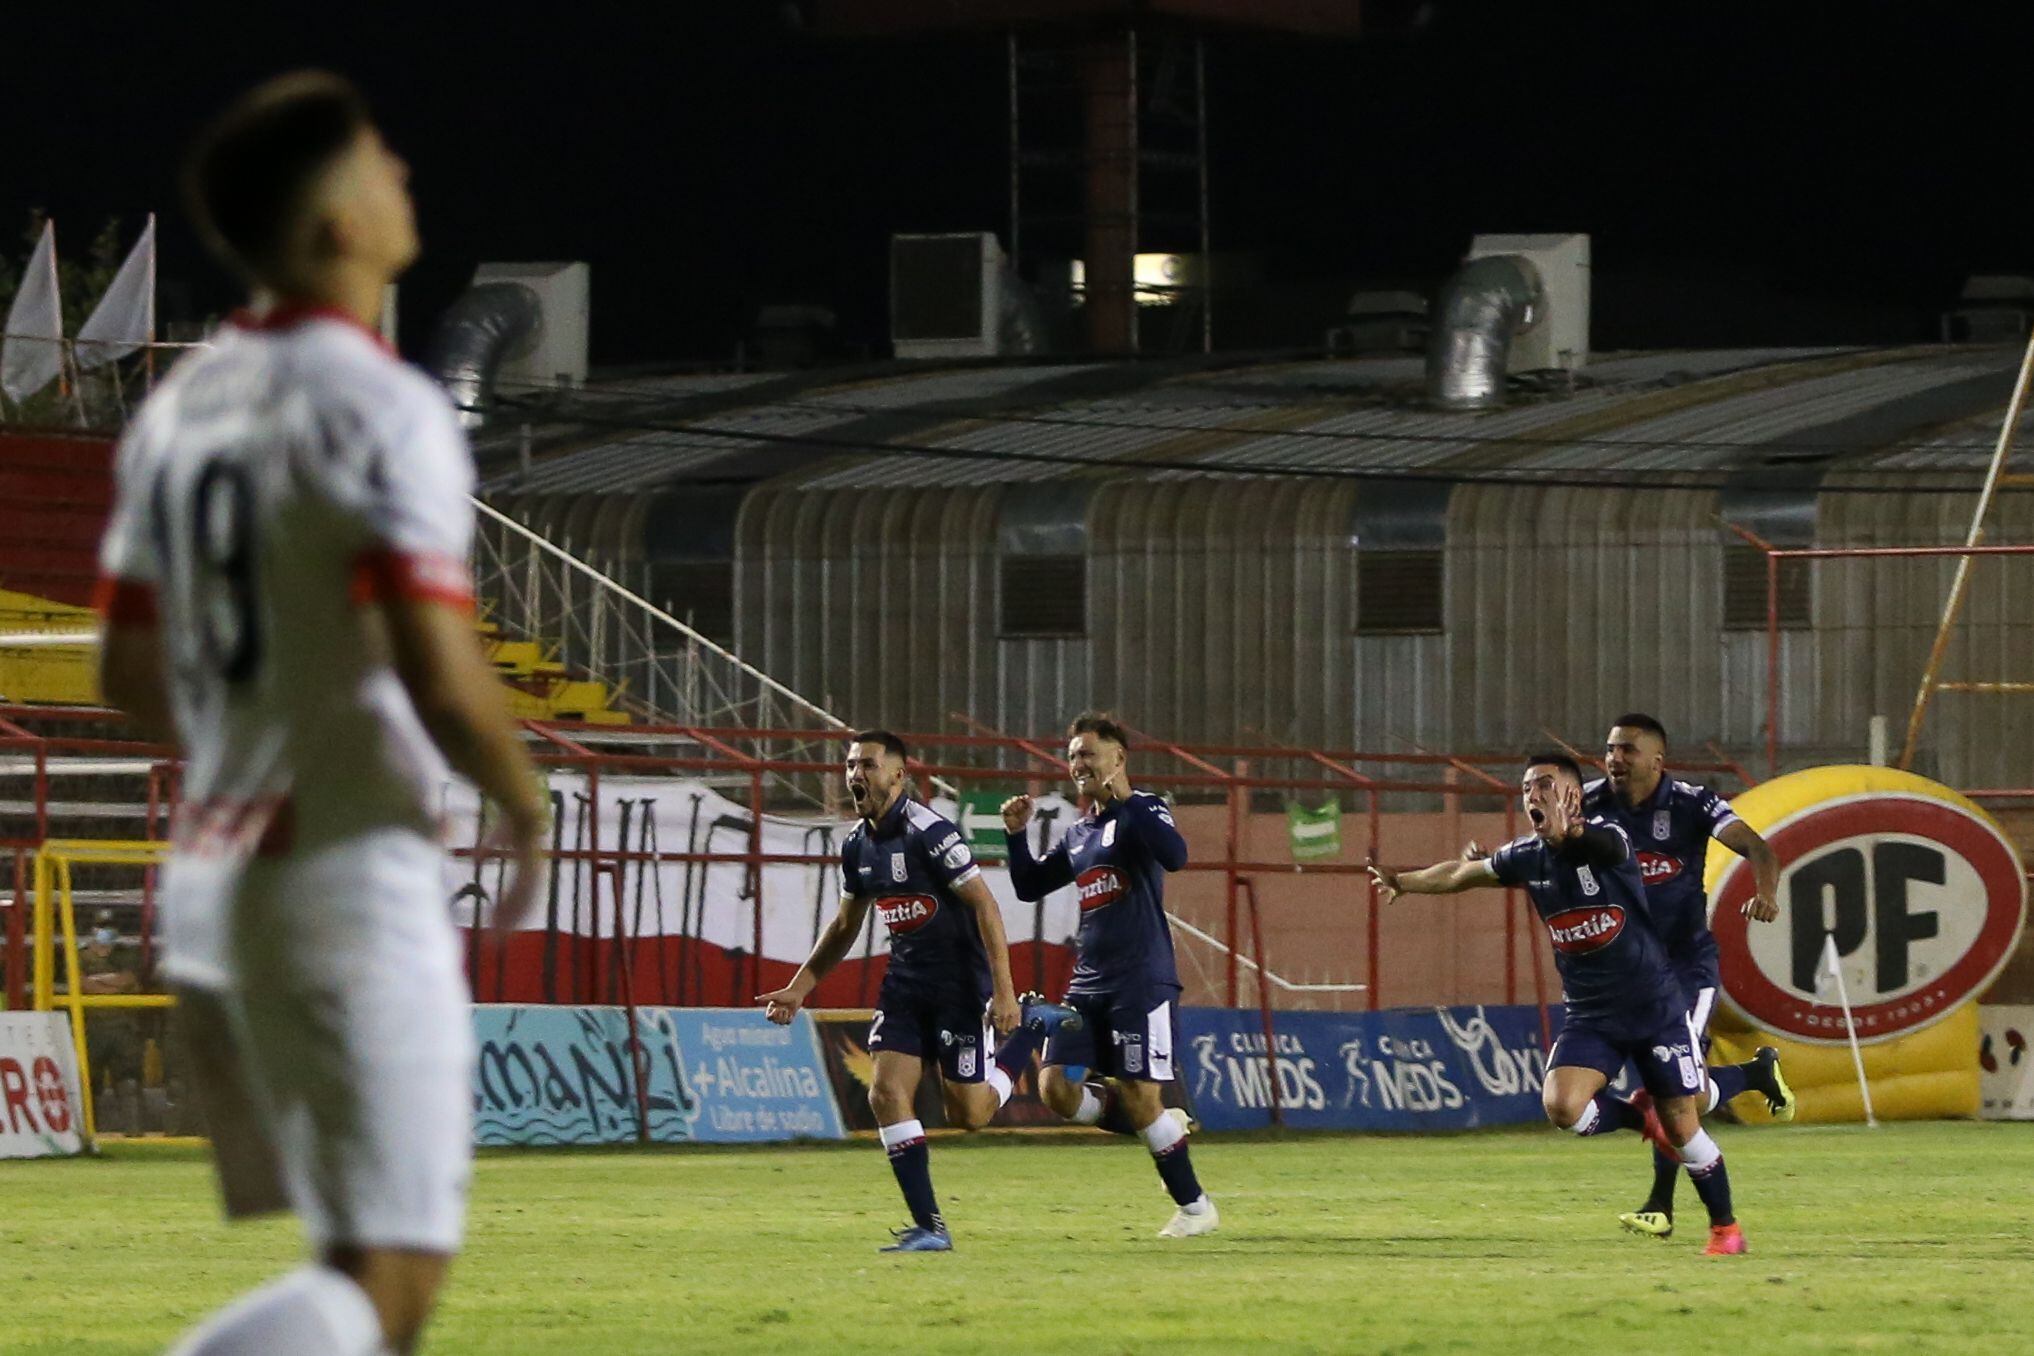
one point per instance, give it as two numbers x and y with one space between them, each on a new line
1931 1069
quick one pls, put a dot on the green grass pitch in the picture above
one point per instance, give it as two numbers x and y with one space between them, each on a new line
1904 1239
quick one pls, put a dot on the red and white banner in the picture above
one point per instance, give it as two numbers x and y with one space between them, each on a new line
716 902
41 1114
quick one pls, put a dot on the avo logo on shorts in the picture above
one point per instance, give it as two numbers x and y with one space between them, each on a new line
1577 932
906 913
1100 886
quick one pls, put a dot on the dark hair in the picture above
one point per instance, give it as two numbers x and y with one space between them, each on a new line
247 175
1099 723
1639 720
1557 759
889 741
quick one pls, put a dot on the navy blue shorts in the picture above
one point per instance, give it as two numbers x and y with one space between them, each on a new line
954 1030
1699 989
1669 1062
1125 1034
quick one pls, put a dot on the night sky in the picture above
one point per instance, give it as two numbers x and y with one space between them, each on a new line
1829 180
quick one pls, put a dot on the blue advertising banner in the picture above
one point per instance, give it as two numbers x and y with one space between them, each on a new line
1405 1069
562 1075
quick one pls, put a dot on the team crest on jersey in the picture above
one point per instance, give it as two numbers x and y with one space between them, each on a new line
1658 868
1109 834
1577 932
897 871
1588 879
1663 825
1100 886
906 913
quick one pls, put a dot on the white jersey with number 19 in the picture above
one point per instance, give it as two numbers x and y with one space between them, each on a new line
271 487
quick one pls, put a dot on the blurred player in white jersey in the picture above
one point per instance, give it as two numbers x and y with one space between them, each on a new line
286 596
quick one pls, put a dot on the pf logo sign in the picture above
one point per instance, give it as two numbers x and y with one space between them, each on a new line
1920 891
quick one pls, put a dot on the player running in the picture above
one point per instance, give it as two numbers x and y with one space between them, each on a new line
1622 1001
1125 984
948 963
1670 823
285 594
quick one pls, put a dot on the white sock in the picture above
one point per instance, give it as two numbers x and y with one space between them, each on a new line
1090 1109
313 1311
1587 1121
1000 1081
1700 1153
903 1132
1162 1133
1715 1096
1199 1207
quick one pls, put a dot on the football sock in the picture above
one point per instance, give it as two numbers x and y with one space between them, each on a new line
1606 1113
314 1310
911 1160
1728 1080
999 1079
1712 1183
1168 1145
1666 1171
1090 1110
1013 1056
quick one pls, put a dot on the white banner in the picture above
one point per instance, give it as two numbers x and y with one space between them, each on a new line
32 354
40 1110
2006 1064
713 901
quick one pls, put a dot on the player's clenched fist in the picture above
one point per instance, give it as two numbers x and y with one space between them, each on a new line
1016 813
781 1005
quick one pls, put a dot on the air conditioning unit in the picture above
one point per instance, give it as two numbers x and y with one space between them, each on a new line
946 295
1556 334
556 354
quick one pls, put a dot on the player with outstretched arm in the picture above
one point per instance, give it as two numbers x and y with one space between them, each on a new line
1621 1000
949 964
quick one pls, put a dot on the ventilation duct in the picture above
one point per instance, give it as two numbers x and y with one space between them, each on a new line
1485 303
488 324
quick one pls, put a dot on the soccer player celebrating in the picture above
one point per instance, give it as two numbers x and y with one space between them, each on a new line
1125 983
948 962
1621 998
1670 823
285 594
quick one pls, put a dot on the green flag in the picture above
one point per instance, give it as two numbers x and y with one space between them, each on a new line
1315 833
981 823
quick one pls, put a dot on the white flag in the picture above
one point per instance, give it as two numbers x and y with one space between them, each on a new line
124 319
32 353
1826 969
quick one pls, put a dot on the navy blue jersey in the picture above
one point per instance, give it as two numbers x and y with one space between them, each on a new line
1118 859
909 864
1614 973
1670 830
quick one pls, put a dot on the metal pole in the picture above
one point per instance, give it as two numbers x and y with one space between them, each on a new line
1264 1006
1772 664
1016 162
1201 148
1961 584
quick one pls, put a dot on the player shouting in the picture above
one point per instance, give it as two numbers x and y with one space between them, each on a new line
948 962
1622 1001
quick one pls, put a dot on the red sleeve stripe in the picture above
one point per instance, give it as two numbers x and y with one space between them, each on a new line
382 576
124 602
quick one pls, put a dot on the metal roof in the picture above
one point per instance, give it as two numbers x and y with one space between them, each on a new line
1848 409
